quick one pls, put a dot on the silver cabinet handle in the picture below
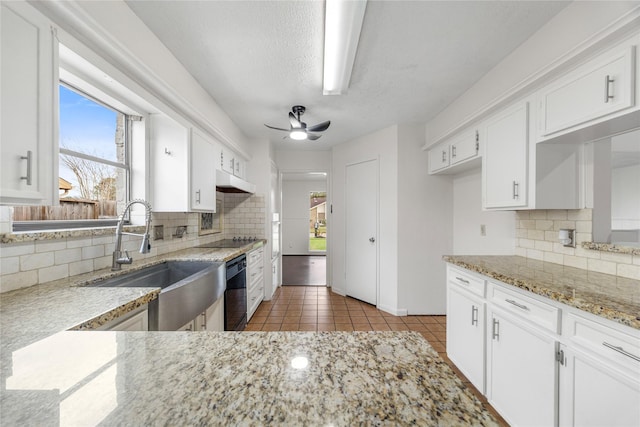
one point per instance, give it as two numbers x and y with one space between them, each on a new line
28 158
198 197
621 351
495 330
372 239
607 85
453 151
516 190
477 142
474 315
444 156
522 306
466 282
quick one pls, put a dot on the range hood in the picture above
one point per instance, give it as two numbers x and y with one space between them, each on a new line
227 183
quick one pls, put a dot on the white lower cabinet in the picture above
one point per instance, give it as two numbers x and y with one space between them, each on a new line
521 368
213 318
255 280
466 333
544 363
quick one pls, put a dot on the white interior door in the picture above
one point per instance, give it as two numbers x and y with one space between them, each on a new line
361 231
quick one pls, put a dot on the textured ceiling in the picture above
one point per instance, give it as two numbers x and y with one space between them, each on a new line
259 58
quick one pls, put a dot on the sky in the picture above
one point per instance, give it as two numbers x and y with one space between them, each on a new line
87 127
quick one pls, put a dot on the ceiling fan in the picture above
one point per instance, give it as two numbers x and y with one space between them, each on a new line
299 130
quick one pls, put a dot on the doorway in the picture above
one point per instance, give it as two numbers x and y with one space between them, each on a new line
304 228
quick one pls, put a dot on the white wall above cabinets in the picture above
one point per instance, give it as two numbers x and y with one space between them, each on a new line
28 138
182 171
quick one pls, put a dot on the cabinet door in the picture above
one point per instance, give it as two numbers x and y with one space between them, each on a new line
438 157
592 393
169 159
466 334
465 147
203 174
521 380
213 318
227 161
505 159
600 87
29 90
239 168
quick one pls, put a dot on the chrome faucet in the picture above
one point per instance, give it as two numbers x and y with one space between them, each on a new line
118 258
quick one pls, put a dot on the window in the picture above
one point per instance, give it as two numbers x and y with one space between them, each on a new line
93 170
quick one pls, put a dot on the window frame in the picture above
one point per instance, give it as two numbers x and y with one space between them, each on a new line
54 225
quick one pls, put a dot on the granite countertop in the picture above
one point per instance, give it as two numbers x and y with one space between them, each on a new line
38 311
612 297
230 378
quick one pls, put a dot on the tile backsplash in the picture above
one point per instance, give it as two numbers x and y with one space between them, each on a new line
58 255
537 238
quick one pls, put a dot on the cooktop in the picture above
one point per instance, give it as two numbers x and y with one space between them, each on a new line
228 243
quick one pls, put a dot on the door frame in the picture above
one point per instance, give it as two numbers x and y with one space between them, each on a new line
281 173
377 207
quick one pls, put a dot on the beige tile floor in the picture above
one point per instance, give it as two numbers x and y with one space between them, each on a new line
307 308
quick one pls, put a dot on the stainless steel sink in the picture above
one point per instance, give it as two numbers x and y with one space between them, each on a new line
188 289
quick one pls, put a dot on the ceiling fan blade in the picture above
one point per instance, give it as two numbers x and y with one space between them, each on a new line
312 137
320 127
271 127
295 123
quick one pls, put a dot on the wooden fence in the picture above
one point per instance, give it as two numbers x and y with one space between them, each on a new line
68 210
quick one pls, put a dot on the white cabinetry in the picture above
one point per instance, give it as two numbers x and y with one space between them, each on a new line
601 87
466 325
227 160
600 369
29 81
521 366
213 318
541 371
451 155
182 172
255 280
505 158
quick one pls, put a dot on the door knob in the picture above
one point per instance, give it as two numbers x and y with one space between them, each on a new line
372 239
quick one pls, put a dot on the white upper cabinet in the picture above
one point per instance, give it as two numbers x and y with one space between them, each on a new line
203 173
599 88
227 160
29 93
450 156
182 168
505 158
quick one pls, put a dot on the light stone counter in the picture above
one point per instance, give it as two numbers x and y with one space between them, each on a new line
230 378
612 297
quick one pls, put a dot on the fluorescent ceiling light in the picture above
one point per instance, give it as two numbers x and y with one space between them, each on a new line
298 135
342 26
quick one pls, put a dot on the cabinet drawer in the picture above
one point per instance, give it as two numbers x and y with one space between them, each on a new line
256 275
608 342
255 257
538 312
465 280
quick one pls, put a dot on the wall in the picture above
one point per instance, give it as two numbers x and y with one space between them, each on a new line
295 214
244 215
425 227
468 216
303 161
537 233
38 261
574 27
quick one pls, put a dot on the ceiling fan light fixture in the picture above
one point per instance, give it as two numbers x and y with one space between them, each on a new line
298 135
342 26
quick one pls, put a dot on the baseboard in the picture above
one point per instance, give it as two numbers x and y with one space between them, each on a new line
394 311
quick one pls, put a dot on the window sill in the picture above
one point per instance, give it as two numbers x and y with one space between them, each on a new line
30 236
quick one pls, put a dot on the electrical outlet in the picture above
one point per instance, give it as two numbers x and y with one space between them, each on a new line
483 230
158 232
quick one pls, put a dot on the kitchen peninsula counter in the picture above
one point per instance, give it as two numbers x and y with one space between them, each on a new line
230 378
612 297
